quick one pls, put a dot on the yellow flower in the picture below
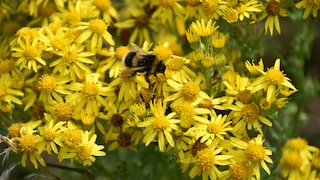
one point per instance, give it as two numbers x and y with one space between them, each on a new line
291 164
96 32
230 15
28 54
212 9
310 6
167 11
272 11
272 80
88 95
85 152
254 152
202 28
107 11
8 95
73 60
253 68
245 10
51 135
159 127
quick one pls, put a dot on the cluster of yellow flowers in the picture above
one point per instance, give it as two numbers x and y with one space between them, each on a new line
61 86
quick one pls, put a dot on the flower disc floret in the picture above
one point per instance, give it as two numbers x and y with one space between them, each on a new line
14 130
73 137
30 52
63 111
205 159
28 143
90 90
70 57
160 122
255 152
84 152
291 160
239 171
250 113
273 7
47 83
274 76
163 53
98 26
190 91
121 52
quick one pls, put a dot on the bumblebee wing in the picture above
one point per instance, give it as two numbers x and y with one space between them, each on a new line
130 71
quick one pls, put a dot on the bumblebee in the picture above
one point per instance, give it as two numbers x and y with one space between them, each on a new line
138 60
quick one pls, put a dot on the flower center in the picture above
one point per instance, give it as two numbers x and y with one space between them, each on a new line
163 53
239 171
121 52
63 111
250 112
241 8
102 5
47 83
274 76
70 57
264 104
98 26
291 160
160 122
167 3
73 18
49 134
47 9
117 120
72 137
90 90
141 21
57 42
124 139
245 97
273 8
14 130
205 159
214 128
6 66
30 52
84 152
210 6
255 152
28 143
190 91
297 144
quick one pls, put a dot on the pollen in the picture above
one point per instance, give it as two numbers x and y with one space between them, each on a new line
296 144
47 9
14 130
98 26
63 111
117 120
84 152
214 128
245 97
72 137
291 160
3 91
175 64
49 134
70 57
255 152
160 122
30 52
47 83
6 66
190 91
205 159
273 7
162 52
28 143
274 76
239 171
186 113
90 90
121 52
210 6
124 139
250 113
102 5
167 3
